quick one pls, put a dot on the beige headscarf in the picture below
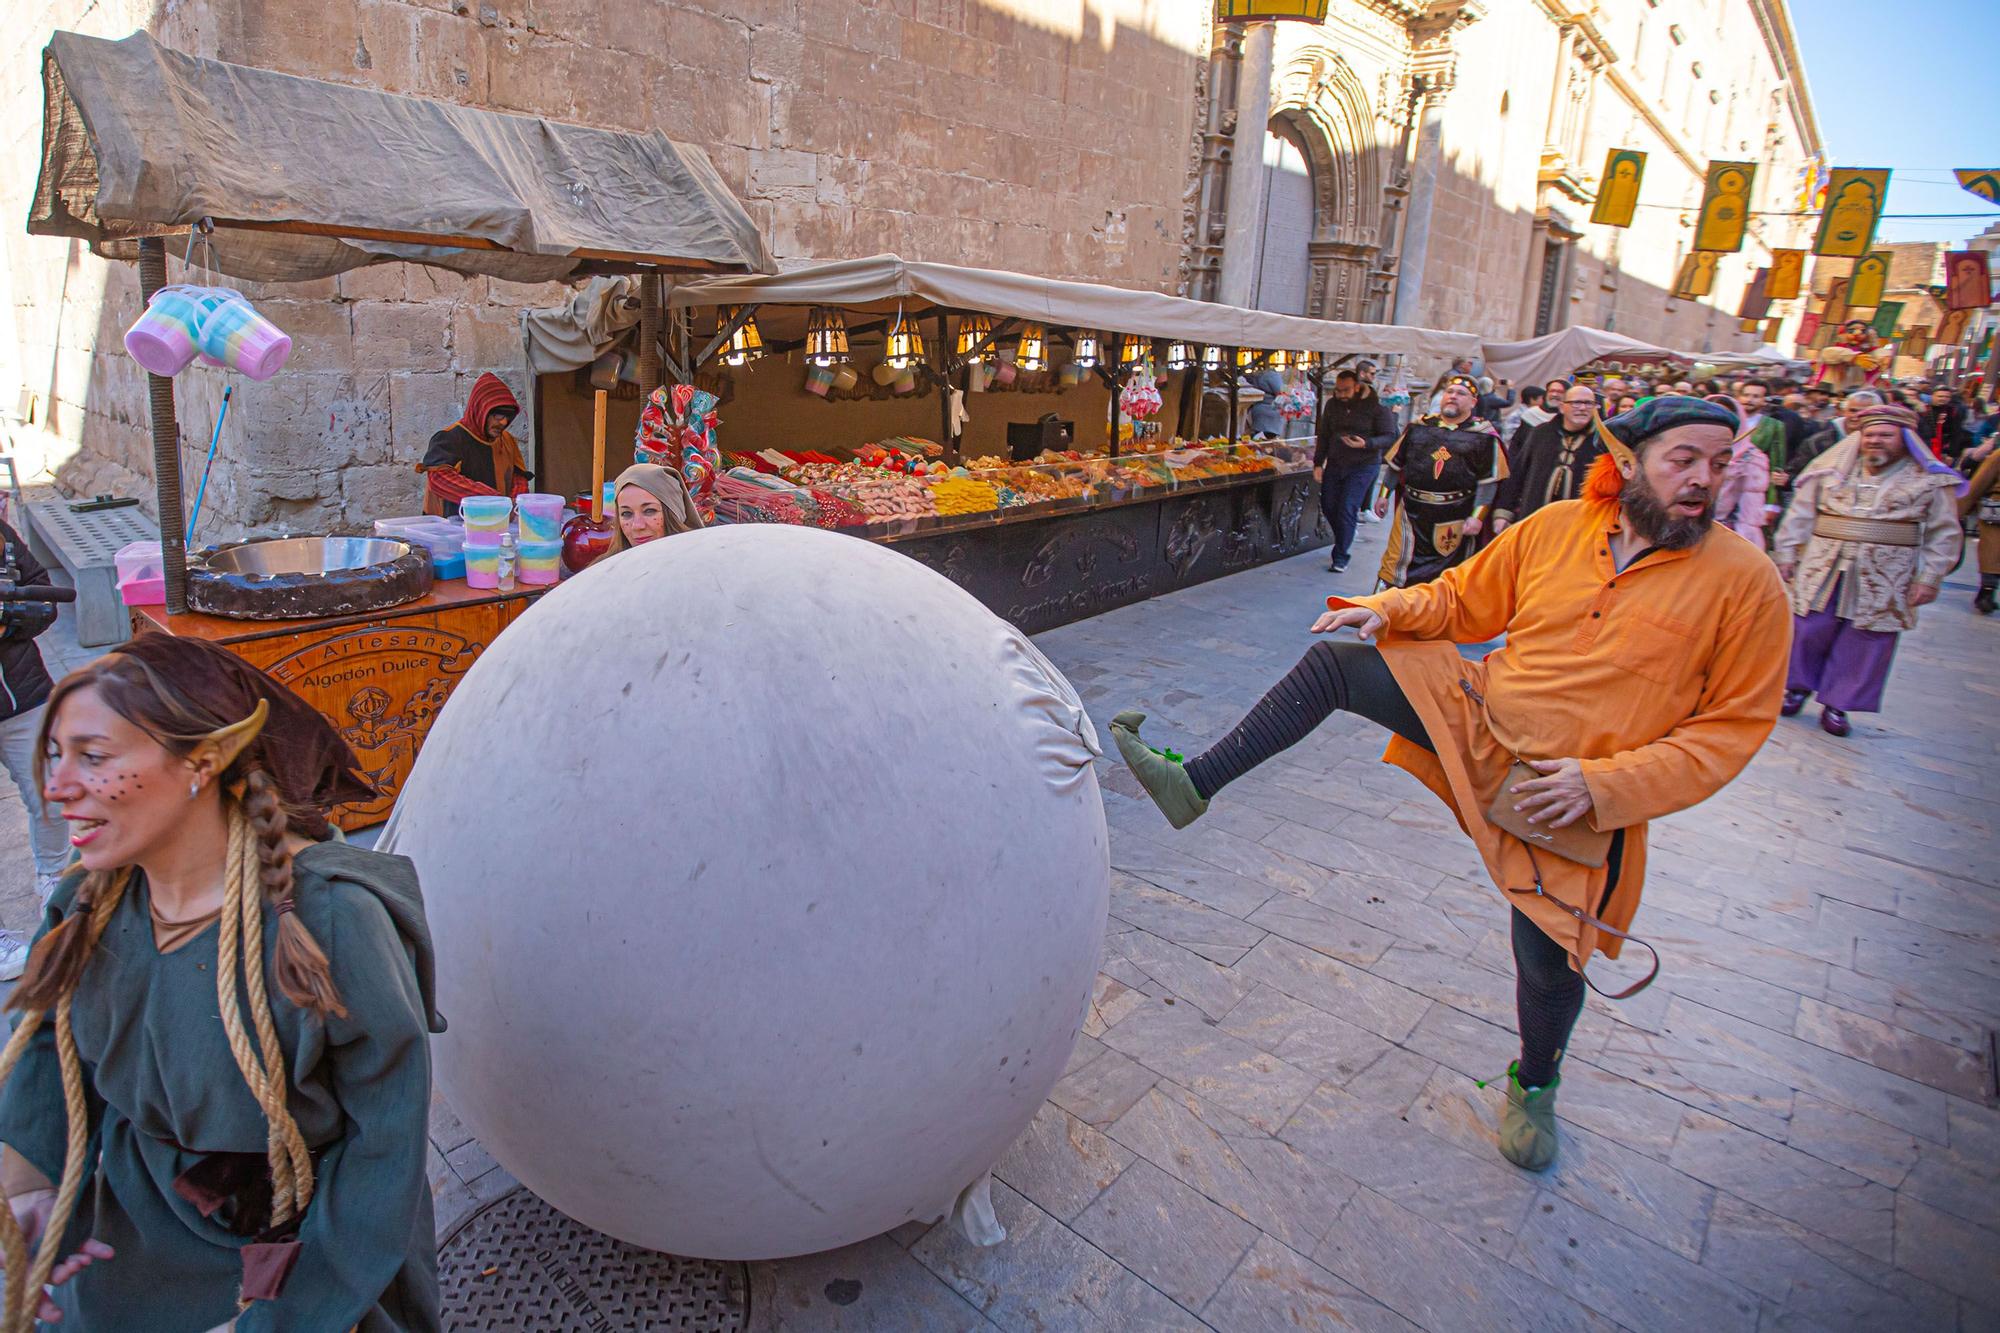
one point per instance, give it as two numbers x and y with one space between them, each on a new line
662 485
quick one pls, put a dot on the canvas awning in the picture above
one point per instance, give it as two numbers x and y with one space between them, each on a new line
881 283
304 178
1566 351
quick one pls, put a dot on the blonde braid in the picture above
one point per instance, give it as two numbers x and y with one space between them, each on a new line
25 1280
242 910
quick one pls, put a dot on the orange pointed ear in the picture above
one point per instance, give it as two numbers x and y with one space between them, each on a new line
1621 453
216 751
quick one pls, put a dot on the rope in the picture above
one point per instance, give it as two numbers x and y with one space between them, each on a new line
25 1281
242 906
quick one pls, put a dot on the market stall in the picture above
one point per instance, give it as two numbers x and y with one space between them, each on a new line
269 177
1035 440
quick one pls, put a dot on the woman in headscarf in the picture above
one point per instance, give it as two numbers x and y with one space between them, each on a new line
217 1091
652 502
475 455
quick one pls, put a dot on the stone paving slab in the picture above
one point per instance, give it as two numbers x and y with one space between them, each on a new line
1273 1118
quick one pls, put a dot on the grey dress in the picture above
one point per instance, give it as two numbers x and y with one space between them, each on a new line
166 1095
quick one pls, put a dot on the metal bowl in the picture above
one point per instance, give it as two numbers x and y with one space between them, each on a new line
305 555
291 578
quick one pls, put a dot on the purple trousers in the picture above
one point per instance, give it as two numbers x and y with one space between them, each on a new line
1845 666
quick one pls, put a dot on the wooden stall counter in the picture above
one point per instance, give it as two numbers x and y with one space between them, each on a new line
379 677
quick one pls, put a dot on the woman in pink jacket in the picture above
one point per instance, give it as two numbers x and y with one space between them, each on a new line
1740 503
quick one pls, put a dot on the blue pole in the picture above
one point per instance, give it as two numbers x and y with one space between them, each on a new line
213 440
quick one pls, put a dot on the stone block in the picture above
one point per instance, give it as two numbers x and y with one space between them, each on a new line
1179 1242
1060 1163
420 405
1627 1278
1834 1202
1275 1290
487 337
858 1288
381 491
1175 1041
407 335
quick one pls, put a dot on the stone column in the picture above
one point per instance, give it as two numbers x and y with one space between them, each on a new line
1417 224
1243 234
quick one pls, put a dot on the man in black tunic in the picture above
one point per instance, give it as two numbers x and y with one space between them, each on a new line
1441 472
1549 462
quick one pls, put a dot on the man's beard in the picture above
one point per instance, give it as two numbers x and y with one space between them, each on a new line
1652 521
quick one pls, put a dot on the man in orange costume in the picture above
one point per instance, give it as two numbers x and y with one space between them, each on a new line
1644 664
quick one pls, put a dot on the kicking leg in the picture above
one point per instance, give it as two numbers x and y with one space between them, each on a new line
1333 675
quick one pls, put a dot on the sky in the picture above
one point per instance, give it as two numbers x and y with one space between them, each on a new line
1907 84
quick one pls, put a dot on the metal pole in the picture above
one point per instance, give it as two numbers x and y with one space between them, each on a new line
1235 387
941 367
166 443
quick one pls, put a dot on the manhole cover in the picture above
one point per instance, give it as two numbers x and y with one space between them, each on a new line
518 1264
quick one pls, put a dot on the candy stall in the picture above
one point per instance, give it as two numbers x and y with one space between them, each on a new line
1040 442
374 629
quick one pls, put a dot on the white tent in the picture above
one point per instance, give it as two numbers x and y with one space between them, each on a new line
1564 352
885 283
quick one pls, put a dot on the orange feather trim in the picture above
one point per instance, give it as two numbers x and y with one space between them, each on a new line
1604 481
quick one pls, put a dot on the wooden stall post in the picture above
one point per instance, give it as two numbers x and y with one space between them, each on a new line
166 442
941 369
597 458
1235 387
649 335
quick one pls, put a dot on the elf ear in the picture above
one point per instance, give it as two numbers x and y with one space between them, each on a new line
1621 453
215 752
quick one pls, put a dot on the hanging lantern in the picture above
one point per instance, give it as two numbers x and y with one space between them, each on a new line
746 344
1032 352
1135 350
906 344
1088 350
826 337
1211 358
1281 361
1309 361
1246 357
972 331
1180 356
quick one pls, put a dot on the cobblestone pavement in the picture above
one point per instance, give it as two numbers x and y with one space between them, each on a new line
1271 1121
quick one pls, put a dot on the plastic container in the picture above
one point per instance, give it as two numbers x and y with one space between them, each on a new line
142 576
448 566
234 334
482 565
540 562
541 518
505 562
164 339
485 513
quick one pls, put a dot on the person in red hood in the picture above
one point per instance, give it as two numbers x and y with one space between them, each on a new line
475 455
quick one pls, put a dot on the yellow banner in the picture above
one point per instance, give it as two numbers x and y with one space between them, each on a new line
1870 279
1854 198
1618 191
1981 181
1725 206
1771 328
1697 275
1253 11
1788 273
1951 329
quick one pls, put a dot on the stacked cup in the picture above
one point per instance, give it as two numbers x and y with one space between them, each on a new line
234 335
166 336
486 518
541 537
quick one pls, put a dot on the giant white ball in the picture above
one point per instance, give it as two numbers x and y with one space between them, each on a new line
768 874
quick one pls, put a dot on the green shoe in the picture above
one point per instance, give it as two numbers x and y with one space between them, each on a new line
1528 1125
1159 772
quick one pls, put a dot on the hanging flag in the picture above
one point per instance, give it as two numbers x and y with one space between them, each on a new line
1756 303
1725 206
1968 281
1836 302
1854 197
1808 330
1618 193
1886 316
1916 341
1870 279
1257 11
1951 329
1771 328
1697 275
1982 181
1788 271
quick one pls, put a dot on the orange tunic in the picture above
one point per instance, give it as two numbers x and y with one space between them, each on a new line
1664 679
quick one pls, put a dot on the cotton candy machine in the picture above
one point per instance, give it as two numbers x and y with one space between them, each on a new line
290 578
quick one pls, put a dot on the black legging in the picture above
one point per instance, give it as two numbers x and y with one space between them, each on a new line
1352 677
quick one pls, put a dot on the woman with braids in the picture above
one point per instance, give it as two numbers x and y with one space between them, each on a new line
216 1094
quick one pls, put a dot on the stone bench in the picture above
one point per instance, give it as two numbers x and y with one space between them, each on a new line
81 550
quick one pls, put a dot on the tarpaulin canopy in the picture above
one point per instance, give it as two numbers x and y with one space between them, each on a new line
1564 352
304 179
883 283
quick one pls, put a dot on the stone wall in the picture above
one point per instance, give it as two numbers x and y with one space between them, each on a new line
1043 135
